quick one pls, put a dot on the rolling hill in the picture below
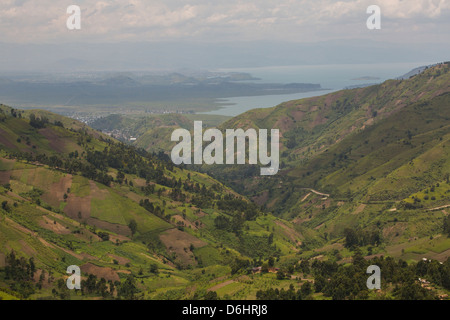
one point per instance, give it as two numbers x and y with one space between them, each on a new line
372 160
73 196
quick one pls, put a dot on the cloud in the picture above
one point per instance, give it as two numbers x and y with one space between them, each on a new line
205 20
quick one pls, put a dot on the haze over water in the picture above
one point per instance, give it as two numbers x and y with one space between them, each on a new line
330 77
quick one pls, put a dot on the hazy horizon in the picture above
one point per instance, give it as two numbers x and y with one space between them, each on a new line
123 35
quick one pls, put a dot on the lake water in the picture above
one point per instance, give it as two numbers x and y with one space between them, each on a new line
332 77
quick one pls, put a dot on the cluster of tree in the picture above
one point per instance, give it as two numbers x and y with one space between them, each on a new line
148 189
14 113
128 160
410 206
239 264
290 294
177 195
38 123
128 289
92 286
5 206
354 238
255 246
341 282
154 244
19 273
233 225
434 271
230 203
205 197
58 123
103 235
345 106
202 294
295 136
155 209
349 282
71 166
202 201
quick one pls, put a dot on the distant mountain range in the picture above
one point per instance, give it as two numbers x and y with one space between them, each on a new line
94 93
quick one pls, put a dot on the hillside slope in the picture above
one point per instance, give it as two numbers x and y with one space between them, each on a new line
73 196
372 161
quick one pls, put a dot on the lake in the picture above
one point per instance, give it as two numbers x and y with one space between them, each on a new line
331 77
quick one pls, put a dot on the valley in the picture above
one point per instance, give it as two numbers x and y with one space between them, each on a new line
363 180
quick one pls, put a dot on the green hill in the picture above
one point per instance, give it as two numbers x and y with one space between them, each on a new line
372 162
73 196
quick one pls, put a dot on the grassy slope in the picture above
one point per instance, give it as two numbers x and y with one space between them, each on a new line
371 149
56 236
153 132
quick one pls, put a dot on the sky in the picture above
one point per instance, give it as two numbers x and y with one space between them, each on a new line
408 26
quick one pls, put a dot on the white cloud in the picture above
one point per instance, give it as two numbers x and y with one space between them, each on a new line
44 20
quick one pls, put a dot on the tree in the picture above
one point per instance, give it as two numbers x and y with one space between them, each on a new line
5 206
304 267
222 222
133 226
154 268
306 289
211 295
239 264
351 238
21 272
412 291
358 259
38 123
90 284
102 288
447 225
319 283
103 235
128 289
270 239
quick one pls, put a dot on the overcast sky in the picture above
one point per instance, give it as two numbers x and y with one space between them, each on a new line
215 20
409 22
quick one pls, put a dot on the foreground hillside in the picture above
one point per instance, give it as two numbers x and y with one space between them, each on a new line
73 196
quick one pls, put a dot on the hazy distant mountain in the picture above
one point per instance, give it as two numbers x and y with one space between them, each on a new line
415 71
120 80
170 55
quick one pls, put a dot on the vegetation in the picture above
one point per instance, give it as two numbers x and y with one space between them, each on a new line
364 181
